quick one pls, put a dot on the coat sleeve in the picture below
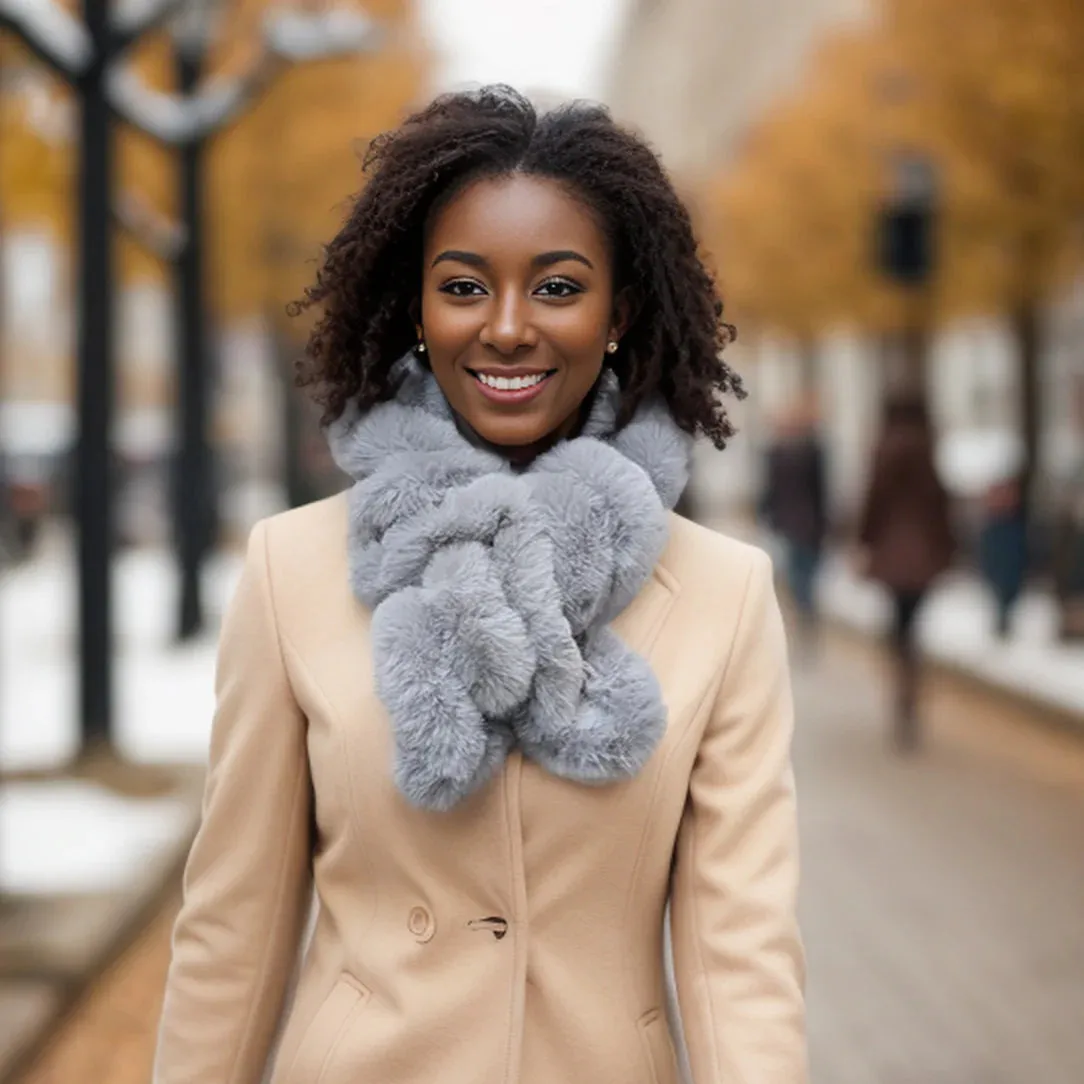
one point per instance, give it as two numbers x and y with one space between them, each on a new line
247 882
738 959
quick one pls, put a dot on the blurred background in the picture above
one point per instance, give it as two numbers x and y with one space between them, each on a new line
892 195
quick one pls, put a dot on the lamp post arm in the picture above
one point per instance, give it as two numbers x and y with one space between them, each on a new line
52 34
300 36
136 18
176 120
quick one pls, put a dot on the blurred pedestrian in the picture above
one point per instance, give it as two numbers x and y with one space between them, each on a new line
1069 554
906 531
795 507
1003 546
424 711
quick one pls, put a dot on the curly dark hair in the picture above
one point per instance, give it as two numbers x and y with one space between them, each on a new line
369 282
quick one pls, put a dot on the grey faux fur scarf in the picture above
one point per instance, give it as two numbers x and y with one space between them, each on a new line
492 589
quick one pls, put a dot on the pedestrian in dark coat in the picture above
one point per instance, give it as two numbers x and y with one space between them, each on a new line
795 507
1003 547
906 530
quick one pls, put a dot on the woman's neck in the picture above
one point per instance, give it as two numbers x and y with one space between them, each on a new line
522 456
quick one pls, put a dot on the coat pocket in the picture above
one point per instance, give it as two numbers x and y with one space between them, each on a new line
658 1047
315 1054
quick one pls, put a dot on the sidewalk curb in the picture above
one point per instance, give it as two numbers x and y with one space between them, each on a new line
129 915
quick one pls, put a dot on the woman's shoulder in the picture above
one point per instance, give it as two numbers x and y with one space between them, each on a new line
305 547
320 522
712 564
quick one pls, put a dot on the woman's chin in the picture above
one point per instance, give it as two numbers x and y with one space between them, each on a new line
507 435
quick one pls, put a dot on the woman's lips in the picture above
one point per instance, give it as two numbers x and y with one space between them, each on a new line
511 388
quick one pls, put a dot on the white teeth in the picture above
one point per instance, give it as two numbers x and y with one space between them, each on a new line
515 383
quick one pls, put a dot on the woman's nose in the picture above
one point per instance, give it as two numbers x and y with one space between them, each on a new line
509 328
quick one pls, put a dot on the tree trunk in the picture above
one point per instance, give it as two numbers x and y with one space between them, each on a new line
905 361
195 507
1026 324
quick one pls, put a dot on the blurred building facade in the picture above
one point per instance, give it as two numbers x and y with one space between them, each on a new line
692 74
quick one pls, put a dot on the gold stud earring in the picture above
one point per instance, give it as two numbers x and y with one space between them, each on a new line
611 347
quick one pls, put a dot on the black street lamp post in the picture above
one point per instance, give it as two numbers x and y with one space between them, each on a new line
188 122
195 518
89 55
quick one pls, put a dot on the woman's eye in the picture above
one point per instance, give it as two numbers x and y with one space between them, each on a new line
559 288
462 288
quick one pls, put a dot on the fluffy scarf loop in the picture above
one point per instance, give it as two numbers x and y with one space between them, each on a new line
492 588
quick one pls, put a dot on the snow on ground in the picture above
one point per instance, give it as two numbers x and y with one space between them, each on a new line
69 837
164 693
956 627
64 836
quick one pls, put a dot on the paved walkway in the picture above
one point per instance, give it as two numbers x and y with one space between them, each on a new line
943 894
110 1038
941 907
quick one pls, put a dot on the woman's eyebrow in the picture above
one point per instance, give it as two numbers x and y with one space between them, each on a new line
545 259
458 256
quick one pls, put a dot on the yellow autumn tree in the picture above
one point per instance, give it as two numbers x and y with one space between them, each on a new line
1001 77
796 217
35 160
793 219
280 181
145 170
37 167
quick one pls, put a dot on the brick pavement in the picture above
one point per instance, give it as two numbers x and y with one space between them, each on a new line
942 904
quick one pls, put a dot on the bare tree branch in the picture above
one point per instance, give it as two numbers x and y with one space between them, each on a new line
290 37
134 18
175 120
53 35
299 36
157 234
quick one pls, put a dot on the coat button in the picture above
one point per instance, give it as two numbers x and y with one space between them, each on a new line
421 925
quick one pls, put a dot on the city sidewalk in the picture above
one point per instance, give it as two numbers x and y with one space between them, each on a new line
956 630
85 857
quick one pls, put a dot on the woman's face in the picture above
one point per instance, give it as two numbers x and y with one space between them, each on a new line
517 307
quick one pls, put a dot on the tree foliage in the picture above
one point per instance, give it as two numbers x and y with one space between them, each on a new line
986 90
276 182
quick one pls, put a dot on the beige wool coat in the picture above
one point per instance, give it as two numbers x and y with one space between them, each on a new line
517 939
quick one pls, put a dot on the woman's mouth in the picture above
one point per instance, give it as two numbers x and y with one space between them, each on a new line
510 387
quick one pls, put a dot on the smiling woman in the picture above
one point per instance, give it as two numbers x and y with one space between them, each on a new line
497 702
559 232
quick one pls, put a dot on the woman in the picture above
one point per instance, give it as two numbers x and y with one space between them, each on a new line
906 530
496 702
